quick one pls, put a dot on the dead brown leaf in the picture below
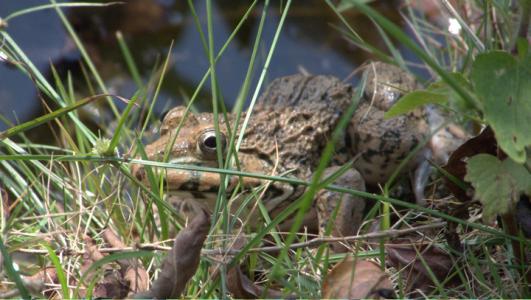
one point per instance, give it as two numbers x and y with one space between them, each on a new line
456 166
137 278
182 261
91 255
240 286
482 143
36 284
133 272
112 285
405 258
355 279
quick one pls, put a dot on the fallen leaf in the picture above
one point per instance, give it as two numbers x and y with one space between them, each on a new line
239 285
182 261
355 279
91 255
133 272
47 275
137 278
112 285
405 258
112 238
456 166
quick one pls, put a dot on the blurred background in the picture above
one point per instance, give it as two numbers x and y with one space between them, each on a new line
311 41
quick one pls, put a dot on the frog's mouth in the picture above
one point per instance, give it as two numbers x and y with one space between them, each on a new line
185 201
189 180
194 181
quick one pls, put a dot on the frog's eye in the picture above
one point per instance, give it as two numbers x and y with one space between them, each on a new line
163 115
207 143
163 127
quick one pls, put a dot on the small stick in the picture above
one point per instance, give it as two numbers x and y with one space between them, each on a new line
308 244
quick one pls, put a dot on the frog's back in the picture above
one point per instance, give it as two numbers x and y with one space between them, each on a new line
309 92
296 116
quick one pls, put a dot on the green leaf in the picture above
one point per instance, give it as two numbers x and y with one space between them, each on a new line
504 85
438 92
455 101
523 47
414 99
498 184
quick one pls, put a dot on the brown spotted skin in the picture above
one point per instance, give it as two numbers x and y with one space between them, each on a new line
383 144
287 132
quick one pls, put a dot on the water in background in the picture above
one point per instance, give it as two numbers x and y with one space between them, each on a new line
310 41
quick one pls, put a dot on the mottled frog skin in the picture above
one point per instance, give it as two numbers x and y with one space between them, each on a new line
384 143
286 134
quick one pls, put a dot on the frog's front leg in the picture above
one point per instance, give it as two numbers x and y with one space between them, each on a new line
348 209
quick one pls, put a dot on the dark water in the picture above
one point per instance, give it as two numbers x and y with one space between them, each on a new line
308 42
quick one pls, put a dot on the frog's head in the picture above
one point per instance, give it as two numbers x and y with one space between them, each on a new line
190 139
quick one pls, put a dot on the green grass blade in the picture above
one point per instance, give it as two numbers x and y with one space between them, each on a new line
222 198
125 116
59 269
263 73
129 61
33 72
157 89
48 117
33 9
86 57
11 272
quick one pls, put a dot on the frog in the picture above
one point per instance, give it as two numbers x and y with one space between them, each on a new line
285 135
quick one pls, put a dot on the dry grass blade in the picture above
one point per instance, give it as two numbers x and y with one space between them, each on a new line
424 264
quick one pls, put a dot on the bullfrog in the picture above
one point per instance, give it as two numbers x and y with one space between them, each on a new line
287 131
